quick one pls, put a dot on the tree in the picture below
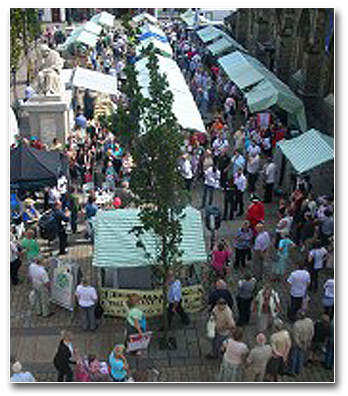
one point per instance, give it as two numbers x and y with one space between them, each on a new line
24 31
156 180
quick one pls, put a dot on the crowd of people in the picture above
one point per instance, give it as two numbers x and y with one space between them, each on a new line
232 163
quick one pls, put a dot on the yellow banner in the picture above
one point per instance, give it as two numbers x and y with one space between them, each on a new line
113 300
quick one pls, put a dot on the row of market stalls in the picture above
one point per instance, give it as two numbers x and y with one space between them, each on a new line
261 88
122 266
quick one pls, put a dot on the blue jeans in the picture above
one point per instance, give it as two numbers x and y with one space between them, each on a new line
296 360
207 191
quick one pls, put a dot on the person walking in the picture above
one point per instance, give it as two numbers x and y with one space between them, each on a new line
242 245
235 354
61 218
221 254
299 281
229 200
281 344
240 183
224 323
15 260
63 357
316 260
135 319
267 306
175 300
245 294
260 250
253 168
302 336
257 360
270 178
280 265
220 291
211 183
118 364
41 286
87 298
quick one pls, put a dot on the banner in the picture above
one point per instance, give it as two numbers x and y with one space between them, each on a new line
63 285
114 300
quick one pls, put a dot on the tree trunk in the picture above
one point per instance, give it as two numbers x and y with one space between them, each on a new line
165 290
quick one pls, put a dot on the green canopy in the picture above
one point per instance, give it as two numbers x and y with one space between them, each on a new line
79 35
223 44
189 18
92 27
262 88
115 246
145 16
209 33
308 150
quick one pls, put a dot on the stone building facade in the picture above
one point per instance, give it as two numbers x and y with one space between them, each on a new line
297 44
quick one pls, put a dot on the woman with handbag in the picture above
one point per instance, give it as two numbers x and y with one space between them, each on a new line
224 323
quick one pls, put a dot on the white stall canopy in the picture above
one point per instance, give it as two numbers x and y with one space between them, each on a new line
184 106
104 19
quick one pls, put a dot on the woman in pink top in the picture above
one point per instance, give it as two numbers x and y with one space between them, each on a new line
220 256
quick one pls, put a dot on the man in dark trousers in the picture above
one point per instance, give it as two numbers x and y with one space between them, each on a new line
220 291
229 192
61 217
174 300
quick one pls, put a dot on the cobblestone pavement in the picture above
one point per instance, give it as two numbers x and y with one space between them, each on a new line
34 339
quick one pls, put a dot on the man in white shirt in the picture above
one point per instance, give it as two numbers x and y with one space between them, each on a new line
174 298
186 171
211 183
240 183
87 297
41 284
253 167
261 246
270 176
299 281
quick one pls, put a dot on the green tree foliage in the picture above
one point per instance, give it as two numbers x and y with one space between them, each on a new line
156 180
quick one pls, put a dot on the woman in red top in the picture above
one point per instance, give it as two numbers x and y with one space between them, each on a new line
256 213
220 256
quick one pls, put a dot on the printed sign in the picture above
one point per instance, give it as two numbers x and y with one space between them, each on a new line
113 300
63 286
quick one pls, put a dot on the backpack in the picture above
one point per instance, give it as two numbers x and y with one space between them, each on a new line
48 226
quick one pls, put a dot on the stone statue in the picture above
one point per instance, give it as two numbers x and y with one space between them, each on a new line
50 65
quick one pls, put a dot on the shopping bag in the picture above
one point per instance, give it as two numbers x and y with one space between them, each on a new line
138 343
211 325
32 297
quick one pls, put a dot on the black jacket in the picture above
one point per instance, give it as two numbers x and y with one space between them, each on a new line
62 358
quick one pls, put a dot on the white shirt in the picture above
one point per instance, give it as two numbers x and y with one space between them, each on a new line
174 292
38 274
299 281
270 173
329 288
62 184
253 150
53 195
212 179
86 295
318 256
218 145
14 251
240 182
186 169
253 164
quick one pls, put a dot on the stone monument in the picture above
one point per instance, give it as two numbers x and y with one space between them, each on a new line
48 109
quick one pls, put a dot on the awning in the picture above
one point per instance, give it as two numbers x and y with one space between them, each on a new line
145 16
14 130
95 81
158 44
224 44
79 35
104 19
92 27
151 31
308 150
262 88
184 106
115 246
209 33
189 17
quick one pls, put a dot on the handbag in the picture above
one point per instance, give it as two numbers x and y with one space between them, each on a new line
137 342
32 297
211 327
99 310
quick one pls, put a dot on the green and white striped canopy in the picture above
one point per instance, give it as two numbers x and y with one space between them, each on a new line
308 150
209 33
116 247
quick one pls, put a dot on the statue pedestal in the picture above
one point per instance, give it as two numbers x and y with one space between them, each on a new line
49 116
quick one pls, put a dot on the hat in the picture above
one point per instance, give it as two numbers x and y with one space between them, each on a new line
17 367
221 301
254 197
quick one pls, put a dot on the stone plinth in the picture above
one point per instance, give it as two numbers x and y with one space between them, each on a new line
49 116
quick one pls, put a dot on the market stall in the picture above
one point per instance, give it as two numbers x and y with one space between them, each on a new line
124 268
263 89
310 153
184 106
